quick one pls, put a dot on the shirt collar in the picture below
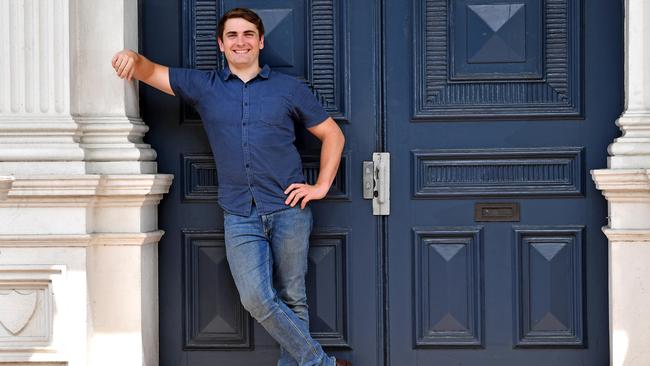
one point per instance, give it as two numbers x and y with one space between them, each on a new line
264 73
226 73
266 70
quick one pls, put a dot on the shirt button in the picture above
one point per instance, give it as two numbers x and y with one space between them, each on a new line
244 123
247 165
245 103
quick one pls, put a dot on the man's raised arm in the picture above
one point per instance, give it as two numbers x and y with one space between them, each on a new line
129 65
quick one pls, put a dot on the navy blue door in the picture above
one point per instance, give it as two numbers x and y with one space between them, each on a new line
493 111
496 112
331 44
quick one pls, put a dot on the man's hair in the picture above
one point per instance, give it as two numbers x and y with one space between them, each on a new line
243 13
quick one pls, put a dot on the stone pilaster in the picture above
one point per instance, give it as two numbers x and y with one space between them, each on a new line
106 107
632 149
626 186
36 125
78 270
78 224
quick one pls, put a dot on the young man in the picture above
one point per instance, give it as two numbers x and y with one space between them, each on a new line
248 114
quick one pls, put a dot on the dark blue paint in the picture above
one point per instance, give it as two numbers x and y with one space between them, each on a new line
450 145
201 183
380 84
496 42
503 172
548 286
201 323
465 69
448 261
205 260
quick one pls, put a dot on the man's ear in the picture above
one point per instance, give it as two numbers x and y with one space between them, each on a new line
261 42
220 42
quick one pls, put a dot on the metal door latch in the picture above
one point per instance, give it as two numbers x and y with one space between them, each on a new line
376 183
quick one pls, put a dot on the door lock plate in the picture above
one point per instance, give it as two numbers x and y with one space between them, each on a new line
376 183
368 180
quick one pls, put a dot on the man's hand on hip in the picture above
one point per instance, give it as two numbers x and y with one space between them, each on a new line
306 192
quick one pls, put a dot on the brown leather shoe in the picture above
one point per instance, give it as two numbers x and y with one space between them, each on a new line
343 363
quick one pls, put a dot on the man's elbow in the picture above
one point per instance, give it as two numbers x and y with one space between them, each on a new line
335 135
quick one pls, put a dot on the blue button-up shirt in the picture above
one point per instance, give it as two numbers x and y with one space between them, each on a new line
250 127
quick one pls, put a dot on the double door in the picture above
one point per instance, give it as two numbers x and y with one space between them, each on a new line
493 113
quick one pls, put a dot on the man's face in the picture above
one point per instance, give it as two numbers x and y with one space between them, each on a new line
241 43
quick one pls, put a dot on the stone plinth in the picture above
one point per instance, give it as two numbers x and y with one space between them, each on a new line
79 269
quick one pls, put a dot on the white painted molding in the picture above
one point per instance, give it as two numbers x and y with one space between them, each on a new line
628 194
112 145
85 204
68 186
41 139
628 235
623 185
115 139
81 240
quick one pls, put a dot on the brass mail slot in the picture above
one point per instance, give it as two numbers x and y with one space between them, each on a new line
507 211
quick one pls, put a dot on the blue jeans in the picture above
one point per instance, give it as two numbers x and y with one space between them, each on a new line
267 255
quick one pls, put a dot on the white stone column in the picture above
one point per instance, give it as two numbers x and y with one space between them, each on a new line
626 186
106 107
632 149
36 125
78 225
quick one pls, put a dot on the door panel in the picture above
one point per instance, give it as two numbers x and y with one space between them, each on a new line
512 103
484 101
201 319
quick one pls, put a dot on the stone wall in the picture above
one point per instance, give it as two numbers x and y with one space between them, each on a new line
626 186
78 220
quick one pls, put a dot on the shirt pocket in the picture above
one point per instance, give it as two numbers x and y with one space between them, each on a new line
274 111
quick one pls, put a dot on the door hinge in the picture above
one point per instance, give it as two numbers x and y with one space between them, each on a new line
376 183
